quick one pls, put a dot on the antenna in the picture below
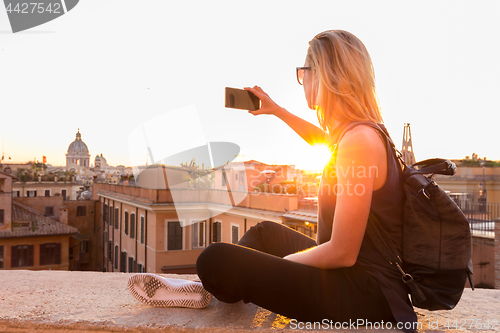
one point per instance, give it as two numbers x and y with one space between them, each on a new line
407 150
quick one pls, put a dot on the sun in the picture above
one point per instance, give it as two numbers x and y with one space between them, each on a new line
317 157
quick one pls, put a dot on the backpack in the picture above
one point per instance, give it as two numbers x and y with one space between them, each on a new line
435 261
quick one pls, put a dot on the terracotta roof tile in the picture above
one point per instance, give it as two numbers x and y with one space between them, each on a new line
37 224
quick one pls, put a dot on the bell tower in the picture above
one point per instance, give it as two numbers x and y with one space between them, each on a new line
407 150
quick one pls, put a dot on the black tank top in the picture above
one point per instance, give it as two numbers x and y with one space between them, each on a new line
387 206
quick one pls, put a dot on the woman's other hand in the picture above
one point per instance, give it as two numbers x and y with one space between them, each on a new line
267 105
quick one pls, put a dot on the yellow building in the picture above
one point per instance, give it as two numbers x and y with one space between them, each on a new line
163 228
28 239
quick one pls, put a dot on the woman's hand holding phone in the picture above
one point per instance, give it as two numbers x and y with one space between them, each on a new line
267 105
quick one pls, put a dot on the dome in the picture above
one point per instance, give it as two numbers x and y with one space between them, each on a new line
78 146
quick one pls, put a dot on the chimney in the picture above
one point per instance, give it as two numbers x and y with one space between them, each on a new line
63 214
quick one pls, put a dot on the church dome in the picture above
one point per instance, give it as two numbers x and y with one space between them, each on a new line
78 146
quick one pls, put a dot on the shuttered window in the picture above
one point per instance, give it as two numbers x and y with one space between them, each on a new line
126 223
123 262
234 234
105 213
116 257
132 226
131 265
111 215
216 232
2 214
50 254
174 236
81 211
198 235
22 256
117 219
1 256
110 251
142 229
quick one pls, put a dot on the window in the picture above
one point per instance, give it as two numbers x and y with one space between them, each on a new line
49 211
116 257
50 254
1 256
105 236
132 226
31 193
117 217
105 213
85 246
140 268
235 230
198 235
47 193
224 180
216 232
110 215
131 265
81 211
110 251
63 194
2 214
142 229
126 223
2 185
174 236
22 255
16 194
123 262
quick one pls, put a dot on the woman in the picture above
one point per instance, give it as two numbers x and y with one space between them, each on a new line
341 277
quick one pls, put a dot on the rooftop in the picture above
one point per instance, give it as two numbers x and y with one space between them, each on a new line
62 301
27 222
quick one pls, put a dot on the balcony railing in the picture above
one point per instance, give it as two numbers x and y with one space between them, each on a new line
481 216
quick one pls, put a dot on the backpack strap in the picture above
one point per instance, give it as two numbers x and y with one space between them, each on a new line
386 247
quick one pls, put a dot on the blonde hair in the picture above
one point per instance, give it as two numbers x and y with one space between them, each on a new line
346 79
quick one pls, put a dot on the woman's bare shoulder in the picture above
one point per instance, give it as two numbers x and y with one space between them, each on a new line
363 138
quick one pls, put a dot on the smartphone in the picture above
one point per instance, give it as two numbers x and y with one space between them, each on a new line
241 99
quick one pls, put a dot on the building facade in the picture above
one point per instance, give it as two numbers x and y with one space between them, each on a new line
28 238
164 229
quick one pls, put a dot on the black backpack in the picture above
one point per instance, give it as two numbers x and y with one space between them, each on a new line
437 243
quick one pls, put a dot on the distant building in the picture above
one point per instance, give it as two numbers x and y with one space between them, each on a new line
162 225
28 238
68 190
78 156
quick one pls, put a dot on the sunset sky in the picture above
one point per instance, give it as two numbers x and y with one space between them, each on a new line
108 67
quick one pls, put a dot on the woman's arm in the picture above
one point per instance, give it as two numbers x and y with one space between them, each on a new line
307 131
361 168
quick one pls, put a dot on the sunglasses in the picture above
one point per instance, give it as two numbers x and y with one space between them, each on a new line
300 74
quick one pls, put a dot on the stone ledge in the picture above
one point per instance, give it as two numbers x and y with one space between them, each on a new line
62 301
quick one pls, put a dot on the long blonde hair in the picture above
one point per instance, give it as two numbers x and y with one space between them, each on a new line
345 90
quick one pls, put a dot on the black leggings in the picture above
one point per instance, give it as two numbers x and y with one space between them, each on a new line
255 271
